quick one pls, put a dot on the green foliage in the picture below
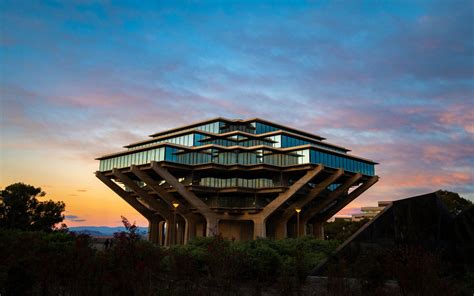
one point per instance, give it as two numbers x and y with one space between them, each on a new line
21 209
341 230
40 263
454 202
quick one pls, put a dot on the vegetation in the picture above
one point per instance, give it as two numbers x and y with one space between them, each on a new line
37 260
454 202
40 263
21 209
341 230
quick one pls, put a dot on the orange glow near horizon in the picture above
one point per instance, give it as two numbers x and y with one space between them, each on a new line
74 182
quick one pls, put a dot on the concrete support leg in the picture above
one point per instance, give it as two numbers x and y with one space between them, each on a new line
281 230
302 229
180 233
161 231
190 230
172 228
154 230
212 226
259 229
318 230
169 233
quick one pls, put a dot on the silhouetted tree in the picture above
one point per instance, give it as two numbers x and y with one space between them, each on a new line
454 202
21 209
341 230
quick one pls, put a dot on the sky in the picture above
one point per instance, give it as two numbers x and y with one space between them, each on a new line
391 80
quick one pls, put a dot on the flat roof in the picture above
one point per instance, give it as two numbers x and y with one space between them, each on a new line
255 136
241 121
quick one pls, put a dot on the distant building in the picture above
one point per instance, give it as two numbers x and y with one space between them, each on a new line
370 212
345 219
240 178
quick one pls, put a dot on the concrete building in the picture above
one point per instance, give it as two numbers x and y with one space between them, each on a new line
240 178
370 212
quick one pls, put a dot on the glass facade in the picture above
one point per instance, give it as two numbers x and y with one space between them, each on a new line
186 140
261 128
214 127
348 164
197 139
137 158
330 157
261 156
244 128
236 182
235 202
238 142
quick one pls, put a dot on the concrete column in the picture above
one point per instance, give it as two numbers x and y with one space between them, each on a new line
284 180
259 228
189 230
172 228
212 226
281 230
302 229
180 233
169 232
161 230
318 230
154 230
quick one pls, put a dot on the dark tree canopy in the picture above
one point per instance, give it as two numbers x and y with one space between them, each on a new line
455 203
21 209
341 230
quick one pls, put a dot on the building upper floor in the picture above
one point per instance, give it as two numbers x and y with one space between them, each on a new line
246 133
244 142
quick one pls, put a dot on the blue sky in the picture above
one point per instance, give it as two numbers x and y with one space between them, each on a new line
392 80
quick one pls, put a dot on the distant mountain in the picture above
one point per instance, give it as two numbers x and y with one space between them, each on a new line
103 230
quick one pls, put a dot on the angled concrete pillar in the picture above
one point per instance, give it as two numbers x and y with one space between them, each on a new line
332 197
133 202
350 197
155 204
211 218
160 208
183 209
282 223
284 196
280 200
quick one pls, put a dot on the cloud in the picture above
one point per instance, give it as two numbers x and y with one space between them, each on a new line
392 82
74 218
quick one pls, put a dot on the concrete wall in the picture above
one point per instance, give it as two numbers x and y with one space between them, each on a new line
240 230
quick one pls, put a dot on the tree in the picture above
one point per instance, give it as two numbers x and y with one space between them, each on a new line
21 209
454 202
342 230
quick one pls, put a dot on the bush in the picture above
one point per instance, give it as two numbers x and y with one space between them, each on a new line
40 263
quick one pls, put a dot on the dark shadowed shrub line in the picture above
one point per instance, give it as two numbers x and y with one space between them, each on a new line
58 263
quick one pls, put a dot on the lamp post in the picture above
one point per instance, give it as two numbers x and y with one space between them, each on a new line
175 206
298 210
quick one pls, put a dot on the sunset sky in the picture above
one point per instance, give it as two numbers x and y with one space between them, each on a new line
391 80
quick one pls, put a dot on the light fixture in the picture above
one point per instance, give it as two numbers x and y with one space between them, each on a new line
175 204
298 210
